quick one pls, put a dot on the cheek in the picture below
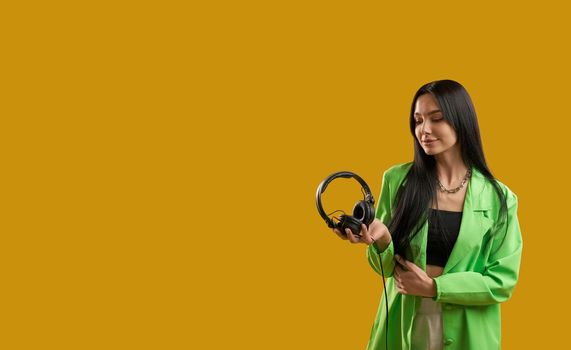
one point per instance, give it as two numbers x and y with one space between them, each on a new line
451 134
450 139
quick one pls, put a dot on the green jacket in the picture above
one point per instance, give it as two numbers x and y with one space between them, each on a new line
481 272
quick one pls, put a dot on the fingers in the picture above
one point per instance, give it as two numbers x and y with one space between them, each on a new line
351 236
366 235
338 233
363 237
398 280
405 264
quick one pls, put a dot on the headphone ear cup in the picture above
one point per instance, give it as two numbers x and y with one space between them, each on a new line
360 211
364 212
351 223
370 213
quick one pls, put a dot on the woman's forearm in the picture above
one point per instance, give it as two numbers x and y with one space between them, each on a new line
383 241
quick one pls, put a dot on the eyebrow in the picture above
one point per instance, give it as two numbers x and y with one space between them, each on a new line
429 113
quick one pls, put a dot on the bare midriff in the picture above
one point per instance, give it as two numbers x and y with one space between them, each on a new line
434 270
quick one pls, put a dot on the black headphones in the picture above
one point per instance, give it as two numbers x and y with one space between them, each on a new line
363 212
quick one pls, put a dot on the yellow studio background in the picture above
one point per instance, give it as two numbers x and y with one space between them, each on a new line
160 161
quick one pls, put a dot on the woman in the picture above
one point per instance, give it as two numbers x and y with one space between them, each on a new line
446 234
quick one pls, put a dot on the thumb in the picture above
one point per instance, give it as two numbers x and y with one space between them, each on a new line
405 263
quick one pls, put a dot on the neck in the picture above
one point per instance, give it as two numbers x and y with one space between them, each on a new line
450 167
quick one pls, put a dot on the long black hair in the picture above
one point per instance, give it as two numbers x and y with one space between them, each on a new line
413 200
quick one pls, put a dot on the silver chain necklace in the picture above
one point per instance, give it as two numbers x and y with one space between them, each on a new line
454 190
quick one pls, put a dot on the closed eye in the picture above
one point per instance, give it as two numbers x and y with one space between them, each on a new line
434 120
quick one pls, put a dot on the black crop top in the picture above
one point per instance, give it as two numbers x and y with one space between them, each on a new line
442 235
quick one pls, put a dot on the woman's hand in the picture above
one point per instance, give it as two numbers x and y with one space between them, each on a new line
376 231
412 280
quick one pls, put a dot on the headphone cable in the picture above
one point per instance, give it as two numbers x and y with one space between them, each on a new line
387 308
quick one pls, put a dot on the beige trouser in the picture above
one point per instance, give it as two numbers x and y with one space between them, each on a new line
427 326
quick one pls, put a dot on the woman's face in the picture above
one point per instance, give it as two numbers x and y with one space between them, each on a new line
433 132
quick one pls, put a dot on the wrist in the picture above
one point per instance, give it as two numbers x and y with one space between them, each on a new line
381 240
431 287
382 236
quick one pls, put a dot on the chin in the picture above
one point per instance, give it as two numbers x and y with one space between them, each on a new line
431 152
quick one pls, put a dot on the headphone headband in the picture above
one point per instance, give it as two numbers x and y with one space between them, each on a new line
327 181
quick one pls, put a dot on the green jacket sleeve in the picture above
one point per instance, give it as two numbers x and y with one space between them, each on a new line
496 283
374 255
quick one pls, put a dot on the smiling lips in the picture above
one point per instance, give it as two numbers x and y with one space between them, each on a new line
429 141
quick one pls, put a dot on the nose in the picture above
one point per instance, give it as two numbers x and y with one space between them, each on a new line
426 128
